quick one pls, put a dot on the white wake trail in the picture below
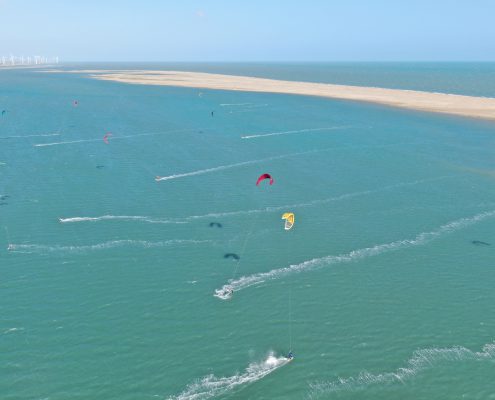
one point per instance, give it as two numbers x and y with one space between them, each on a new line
211 386
294 131
244 282
67 142
39 248
229 166
421 360
312 203
121 217
30 136
113 138
242 105
185 220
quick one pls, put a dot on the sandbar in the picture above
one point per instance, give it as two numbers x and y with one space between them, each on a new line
466 106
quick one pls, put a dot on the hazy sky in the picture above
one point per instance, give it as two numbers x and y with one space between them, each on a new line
249 30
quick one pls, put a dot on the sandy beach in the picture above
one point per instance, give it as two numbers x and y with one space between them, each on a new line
467 106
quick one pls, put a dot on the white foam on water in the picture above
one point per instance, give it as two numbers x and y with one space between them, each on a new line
67 142
30 136
355 255
190 218
294 131
40 248
421 360
211 386
236 104
312 203
121 217
235 165
113 138
10 330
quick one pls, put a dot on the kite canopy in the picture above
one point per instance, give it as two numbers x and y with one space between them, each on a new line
289 220
231 255
263 177
105 138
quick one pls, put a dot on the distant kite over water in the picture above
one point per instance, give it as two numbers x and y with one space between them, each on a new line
263 177
105 138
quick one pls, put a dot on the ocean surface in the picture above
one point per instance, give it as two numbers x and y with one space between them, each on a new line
112 281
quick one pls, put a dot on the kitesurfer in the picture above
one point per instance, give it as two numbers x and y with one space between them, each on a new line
290 356
212 113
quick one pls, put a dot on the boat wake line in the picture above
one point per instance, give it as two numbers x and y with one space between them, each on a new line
211 386
421 360
225 292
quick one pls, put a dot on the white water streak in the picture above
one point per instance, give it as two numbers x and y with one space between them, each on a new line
312 203
255 105
39 248
211 386
229 166
113 138
296 131
355 255
121 217
421 360
30 136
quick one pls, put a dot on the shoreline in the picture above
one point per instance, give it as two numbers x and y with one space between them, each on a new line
452 104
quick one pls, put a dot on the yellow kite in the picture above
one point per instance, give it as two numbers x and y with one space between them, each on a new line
289 220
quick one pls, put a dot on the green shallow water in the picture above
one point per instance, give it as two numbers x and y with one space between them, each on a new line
378 289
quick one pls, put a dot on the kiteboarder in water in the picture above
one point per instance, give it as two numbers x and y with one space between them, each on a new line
290 356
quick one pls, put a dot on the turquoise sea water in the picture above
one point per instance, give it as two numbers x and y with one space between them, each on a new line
108 277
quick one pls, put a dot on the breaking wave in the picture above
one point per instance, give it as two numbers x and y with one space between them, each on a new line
211 386
40 248
421 360
355 255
